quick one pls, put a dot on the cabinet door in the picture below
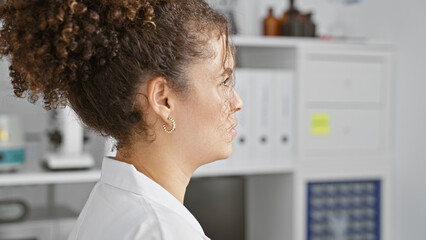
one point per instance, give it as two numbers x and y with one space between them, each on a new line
354 131
344 78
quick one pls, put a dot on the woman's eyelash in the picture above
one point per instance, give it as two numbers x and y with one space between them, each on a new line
226 82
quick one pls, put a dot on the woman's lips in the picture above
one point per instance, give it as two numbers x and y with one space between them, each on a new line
234 131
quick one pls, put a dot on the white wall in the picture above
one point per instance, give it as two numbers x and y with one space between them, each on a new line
410 38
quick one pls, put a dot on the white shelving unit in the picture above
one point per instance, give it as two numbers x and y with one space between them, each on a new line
49 222
349 84
357 146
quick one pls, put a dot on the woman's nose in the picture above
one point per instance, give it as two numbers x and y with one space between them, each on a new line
237 102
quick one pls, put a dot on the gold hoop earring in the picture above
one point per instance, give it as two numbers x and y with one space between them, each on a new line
173 125
150 22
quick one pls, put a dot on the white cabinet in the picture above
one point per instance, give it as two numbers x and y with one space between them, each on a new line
341 130
344 141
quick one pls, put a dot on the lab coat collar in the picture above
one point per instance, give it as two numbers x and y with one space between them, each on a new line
125 176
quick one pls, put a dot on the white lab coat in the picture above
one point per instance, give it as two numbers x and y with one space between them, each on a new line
127 205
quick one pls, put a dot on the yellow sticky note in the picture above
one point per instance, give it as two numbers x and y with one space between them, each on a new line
320 124
4 136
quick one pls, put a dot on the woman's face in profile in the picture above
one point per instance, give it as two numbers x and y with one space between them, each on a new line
206 119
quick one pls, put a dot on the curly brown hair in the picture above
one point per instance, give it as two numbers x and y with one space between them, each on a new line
93 54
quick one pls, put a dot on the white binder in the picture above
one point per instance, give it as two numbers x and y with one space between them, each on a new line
243 142
282 134
262 117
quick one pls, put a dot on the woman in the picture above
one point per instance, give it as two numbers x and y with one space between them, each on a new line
155 75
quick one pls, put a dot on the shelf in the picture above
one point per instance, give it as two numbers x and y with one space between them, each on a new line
242 171
262 41
41 223
38 177
48 213
295 42
86 176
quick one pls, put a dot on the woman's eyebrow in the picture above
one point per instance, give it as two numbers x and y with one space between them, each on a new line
226 72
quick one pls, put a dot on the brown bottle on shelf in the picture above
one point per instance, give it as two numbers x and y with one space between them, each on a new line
271 25
309 26
292 22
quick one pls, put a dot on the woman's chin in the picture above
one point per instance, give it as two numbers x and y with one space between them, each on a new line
227 154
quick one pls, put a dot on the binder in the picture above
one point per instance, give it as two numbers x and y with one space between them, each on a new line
283 100
263 105
243 142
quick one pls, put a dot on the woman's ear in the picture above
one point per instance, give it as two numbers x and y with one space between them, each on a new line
160 97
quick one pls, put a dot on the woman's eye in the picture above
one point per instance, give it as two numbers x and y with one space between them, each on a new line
226 82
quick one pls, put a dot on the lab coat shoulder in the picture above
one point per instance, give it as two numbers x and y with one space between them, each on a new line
112 214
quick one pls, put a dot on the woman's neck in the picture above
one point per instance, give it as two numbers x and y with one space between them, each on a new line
166 169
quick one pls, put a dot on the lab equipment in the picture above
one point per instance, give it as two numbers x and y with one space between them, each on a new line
12 154
70 154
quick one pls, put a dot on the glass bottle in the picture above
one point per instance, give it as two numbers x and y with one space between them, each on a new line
292 22
271 25
309 26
